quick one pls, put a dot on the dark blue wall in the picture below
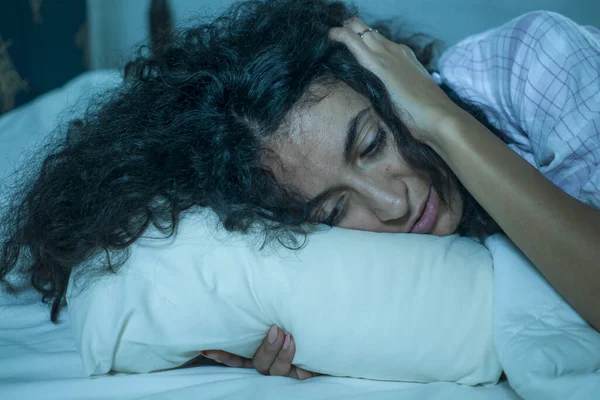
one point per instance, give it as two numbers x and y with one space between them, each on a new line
45 49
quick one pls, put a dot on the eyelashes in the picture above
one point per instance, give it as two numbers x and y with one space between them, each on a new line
372 151
376 145
337 214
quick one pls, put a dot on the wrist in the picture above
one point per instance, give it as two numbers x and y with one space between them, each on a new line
449 130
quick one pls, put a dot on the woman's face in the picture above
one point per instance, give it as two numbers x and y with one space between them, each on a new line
339 153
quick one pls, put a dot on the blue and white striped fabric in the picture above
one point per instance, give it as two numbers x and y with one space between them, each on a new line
540 74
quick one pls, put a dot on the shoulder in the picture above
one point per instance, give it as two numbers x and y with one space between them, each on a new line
541 73
539 57
539 38
537 30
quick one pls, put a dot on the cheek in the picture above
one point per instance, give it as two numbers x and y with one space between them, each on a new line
393 166
448 222
364 220
360 220
456 209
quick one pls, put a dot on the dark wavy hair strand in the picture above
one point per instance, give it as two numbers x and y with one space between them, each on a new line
186 128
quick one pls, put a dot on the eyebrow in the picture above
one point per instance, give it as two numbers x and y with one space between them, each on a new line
351 133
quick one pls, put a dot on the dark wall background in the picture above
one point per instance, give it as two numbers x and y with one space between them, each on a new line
43 44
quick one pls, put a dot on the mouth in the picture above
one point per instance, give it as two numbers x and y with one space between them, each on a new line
427 214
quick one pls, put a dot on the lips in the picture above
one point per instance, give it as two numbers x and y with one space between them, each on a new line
428 216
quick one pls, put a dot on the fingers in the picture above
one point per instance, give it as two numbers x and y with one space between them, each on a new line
372 39
361 48
302 374
356 24
282 365
268 350
349 34
352 41
296 372
231 360
363 32
274 357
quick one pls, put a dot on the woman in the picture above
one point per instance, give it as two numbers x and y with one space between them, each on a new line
283 113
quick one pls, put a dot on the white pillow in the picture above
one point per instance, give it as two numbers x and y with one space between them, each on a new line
547 350
360 304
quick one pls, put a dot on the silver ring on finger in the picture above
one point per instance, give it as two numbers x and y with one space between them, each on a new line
362 34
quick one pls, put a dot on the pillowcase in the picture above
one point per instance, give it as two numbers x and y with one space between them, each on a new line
360 304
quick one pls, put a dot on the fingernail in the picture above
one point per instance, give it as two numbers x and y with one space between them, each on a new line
272 336
286 341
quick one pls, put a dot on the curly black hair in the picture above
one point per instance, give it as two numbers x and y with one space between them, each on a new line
186 128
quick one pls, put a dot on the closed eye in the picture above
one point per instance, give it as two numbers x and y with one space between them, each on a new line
373 150
376 145
337 214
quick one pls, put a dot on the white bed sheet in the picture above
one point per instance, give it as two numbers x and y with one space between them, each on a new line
38 359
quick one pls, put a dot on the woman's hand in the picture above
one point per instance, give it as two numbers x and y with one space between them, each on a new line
409 84
273 357
558 233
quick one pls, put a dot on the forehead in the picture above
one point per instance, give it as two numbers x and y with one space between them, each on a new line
310 151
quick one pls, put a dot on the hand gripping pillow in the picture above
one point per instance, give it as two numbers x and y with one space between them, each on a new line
361 304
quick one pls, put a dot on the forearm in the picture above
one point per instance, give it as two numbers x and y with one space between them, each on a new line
558 233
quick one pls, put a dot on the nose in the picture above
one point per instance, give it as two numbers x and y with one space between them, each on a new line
388 201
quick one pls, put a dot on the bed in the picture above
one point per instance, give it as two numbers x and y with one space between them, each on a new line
38 359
